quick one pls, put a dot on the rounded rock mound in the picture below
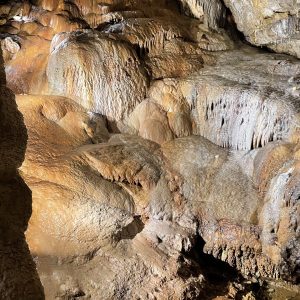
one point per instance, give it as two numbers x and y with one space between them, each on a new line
100 73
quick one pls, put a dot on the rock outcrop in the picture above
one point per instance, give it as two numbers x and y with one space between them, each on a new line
272 24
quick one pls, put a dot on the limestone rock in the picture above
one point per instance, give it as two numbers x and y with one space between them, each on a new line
150 122
228 88
97 71
9 47
162 152
147 33
272 24
213 12
26 69
130 177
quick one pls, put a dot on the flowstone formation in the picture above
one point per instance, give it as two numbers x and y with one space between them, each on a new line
163 150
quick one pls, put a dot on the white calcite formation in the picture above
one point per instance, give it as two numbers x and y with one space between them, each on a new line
235 105
100 73
212 12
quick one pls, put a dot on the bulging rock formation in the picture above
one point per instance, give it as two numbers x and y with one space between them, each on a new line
272 24
263 110
109 74
162 151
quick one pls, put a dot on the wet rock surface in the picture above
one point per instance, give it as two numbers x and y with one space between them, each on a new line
162 153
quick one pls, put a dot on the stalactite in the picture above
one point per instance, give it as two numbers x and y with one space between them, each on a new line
149 34
214 11
246 121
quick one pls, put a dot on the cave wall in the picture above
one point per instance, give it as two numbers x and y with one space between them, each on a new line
19 278
149 128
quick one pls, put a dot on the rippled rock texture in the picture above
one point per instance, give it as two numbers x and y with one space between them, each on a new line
163 150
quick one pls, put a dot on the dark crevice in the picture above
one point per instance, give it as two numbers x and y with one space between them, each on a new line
222 122
132 229
231 27
104 26
218 275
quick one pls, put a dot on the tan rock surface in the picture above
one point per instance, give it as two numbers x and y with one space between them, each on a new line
162 153
102 189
